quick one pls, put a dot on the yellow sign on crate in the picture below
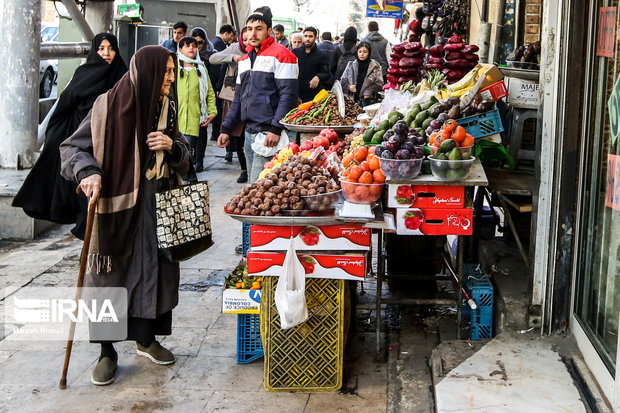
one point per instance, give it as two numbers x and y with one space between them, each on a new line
307 357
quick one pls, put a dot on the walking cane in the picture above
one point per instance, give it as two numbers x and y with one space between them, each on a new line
80 281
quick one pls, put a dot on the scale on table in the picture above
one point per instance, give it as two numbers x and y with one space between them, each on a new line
350 210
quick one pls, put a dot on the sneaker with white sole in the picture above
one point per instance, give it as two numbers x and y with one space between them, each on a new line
156 353
103 374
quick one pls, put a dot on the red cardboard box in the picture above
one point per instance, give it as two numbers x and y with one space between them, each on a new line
425 196
340 267
453 221
317 238
496 91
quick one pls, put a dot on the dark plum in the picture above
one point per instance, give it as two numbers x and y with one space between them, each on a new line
392 146
420 141
419 151
386 154
403 154
388 134
412 131
443 117
429 130
379 149
400 129
407 145
436 110
405 168
435 124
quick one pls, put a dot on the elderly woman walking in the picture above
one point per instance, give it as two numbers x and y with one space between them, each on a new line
127 149
45 194
231 55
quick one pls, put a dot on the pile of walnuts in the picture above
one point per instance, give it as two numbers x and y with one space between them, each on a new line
283 189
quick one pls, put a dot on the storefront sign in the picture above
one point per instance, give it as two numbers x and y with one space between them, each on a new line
385 8
606 32
613 108
612 197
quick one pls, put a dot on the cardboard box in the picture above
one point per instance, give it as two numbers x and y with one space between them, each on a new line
425 196
351 266
496 91
317 238
491 74
449 221
523 93
235 301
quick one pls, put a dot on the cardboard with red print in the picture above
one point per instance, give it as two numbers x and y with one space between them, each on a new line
432 221
425 196
351 266
307 238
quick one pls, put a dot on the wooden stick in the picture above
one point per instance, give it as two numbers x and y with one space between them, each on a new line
80 282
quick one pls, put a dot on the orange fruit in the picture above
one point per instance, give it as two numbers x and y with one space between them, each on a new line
374 163
365 166
459 134
361 193
347 160
371 150
355 173
375 190
346 172
365 178
468 141
360 154
378 176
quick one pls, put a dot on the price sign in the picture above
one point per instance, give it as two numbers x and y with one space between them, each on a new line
612 196
606 41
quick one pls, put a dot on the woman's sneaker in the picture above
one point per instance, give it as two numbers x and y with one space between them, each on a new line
103 374
156 353
243 178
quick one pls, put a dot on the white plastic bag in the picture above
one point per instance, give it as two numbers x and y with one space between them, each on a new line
291 291
259 144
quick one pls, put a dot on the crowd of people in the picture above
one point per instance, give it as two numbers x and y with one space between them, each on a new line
119 135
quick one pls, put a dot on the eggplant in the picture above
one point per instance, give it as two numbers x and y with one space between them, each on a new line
453 101
486 106
455 112
435 111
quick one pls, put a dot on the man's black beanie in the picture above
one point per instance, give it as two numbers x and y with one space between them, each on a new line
263 14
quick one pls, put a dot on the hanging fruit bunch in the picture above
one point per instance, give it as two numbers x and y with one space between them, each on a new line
455 18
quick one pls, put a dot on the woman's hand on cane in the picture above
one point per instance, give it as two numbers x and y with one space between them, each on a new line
91 186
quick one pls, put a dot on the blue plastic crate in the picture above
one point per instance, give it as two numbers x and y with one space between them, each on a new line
481 291
245 239
482 124
249 344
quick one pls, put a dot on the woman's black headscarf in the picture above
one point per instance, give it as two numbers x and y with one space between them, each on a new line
45 194
362 69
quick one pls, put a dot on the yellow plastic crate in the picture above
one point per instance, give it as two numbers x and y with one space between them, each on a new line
307 357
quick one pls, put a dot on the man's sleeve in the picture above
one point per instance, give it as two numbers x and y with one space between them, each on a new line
286 73
323 73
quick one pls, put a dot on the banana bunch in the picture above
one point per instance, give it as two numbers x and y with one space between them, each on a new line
408 86
436 80
458 89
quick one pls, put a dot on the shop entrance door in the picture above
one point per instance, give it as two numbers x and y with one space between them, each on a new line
596 302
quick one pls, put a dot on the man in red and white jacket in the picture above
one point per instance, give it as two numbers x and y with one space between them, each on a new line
266 90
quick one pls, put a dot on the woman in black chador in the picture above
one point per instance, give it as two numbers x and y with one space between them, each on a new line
45 194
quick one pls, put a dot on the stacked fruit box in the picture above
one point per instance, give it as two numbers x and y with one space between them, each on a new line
430 209
308 357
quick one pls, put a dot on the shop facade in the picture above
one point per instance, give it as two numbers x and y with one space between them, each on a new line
576 269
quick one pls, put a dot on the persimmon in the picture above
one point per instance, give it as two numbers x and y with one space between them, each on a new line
374 163
365 178
459 134
449 125
378 176
371 150
355 173
360 153
365 166
347 160
346 172
468 141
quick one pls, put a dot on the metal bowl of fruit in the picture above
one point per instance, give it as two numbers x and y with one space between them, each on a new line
322 202
361 193
446 169
399 169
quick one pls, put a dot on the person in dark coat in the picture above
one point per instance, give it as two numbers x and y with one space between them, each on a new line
126 150
313 66
348 44
45 194
217 74
381 48
179 31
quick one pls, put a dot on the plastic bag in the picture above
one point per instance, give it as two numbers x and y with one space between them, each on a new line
290 293
259 144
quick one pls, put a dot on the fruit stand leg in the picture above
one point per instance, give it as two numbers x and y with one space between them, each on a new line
459 275
380 273
513 229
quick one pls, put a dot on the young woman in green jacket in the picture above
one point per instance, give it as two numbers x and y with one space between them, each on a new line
196 96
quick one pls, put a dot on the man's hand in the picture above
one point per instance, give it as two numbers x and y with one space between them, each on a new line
223 140
352 89
237 58
209 120
314 82
157 141
272 139
91 186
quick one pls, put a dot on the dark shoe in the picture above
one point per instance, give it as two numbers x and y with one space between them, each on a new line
103 374
239 249
228 157
199 167
156 353
243 178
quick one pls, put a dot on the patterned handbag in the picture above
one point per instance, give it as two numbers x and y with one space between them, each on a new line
183 221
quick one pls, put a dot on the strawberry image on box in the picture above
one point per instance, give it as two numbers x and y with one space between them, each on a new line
345 237
316 265
425 196
434 221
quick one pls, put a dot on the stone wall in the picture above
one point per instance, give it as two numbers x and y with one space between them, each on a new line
533 21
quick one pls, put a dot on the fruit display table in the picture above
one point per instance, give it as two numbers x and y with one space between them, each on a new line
428 206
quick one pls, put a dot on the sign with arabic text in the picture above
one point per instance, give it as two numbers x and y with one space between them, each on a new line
385 8
606 41
612 195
